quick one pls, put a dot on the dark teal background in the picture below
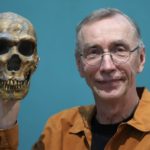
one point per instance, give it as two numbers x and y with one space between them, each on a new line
56 85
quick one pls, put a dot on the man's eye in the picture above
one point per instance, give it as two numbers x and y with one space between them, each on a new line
92 51
120 49
4 46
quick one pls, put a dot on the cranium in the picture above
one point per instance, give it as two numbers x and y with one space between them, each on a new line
18 55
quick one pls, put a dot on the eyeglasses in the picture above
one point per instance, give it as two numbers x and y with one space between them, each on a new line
94 55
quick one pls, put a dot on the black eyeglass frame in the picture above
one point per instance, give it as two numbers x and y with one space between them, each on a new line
104 53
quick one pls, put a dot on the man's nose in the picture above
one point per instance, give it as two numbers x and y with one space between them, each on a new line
107 64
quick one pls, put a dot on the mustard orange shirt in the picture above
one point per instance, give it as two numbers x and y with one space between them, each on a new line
71 130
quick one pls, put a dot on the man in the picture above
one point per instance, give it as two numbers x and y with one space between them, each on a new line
109 55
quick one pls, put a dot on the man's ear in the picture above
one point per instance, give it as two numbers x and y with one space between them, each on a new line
141 60
79 64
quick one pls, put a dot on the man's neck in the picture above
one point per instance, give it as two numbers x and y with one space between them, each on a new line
118 110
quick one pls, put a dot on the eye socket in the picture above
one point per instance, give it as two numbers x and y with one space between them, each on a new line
26 48
4 46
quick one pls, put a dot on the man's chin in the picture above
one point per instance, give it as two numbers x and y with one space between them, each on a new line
109 94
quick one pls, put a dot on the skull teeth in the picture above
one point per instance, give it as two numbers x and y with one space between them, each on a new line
13 84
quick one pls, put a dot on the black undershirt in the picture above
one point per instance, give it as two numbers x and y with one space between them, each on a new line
102 133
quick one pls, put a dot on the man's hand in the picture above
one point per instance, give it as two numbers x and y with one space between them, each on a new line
8 113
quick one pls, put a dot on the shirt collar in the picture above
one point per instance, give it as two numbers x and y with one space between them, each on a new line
141 117
85 114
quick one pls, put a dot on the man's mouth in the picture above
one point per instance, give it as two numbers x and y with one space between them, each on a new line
112 81
109 81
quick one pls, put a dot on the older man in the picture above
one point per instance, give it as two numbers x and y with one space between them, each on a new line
109 55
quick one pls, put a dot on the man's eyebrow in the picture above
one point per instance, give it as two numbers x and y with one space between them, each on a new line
89 45
113 43
120 42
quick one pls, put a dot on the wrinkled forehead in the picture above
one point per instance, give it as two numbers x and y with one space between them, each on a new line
15 27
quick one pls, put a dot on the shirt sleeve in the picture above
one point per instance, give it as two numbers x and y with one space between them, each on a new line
9 138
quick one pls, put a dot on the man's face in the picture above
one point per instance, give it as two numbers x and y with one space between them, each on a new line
110 80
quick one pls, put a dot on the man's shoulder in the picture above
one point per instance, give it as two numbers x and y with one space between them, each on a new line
71 115
72 112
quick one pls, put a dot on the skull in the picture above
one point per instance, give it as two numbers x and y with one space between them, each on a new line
18 56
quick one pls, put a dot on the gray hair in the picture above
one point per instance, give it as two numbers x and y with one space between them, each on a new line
102 14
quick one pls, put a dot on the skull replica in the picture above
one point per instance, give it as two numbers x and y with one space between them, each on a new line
18 56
